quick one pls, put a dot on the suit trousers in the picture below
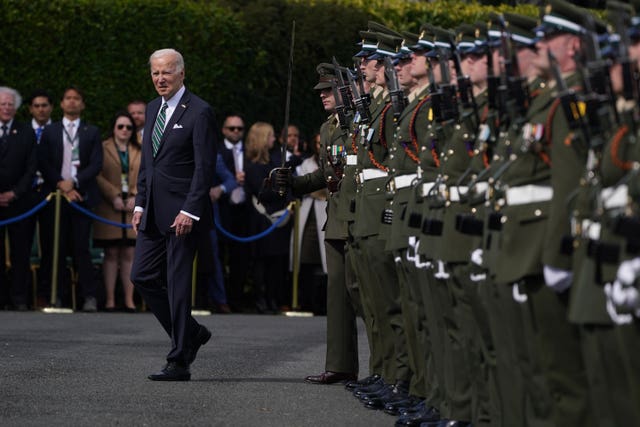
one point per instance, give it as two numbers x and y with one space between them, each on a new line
162 273
412 313
342 334
371 318
609 387
560 355
628 345
20 241
434 336
75 235
381 280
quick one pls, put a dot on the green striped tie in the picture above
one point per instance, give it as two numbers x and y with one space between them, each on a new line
158 129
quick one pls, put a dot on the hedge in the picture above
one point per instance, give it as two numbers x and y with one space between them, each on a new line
236 51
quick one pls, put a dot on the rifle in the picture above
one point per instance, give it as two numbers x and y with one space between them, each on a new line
343 88
449 102
518 99
361 99
621 20
398 100
465 87
568 100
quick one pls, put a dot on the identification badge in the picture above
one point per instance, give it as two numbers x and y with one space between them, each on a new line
124 183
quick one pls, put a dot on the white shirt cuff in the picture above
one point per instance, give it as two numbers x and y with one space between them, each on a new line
193 217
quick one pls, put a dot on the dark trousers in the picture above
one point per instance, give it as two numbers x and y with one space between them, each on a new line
20 241
75 235
162 272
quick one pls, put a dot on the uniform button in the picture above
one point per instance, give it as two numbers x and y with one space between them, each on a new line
503 219
537 212
450 153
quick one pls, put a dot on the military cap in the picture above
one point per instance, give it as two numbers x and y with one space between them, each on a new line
376 27
471 39
617 10
520 28
562 17
443 41
425 39
327 76
408 41
369 43
388 45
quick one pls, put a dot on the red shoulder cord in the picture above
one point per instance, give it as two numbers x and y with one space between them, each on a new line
548 126
413 155
383 141
354 146
483 119
615 146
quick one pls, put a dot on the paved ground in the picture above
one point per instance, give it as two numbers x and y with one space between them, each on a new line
90 369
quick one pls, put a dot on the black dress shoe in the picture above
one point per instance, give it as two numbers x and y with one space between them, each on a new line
352 385
329 377
396 407
172 372
396 393
202 337
414 420
373 388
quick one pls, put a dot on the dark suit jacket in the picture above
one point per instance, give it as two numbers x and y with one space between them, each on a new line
51 152
180 175
18 163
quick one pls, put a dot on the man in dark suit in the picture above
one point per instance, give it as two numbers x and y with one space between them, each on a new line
235 209
17 168
69 159
173 207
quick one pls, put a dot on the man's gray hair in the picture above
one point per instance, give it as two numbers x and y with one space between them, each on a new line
179 61
17 99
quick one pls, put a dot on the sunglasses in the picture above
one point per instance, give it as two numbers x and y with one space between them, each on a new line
235 128
127 127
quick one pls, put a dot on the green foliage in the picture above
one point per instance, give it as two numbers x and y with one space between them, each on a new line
236 51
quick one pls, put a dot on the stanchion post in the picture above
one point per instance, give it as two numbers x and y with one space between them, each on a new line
56 249
194 281
296 253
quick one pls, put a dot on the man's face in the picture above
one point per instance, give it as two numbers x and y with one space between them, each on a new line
403 70
40 109
368 68
233 129
72 103
7 107
418 65
562 46
475 66
137 112
379 68
328 100
293 137
166 78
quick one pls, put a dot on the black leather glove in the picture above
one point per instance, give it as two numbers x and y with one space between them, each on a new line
281 179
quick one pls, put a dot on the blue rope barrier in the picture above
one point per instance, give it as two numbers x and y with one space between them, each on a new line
98 218
27 214
254 237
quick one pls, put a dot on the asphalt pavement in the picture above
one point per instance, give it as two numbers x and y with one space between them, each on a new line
91 370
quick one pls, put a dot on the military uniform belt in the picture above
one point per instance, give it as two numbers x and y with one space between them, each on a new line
372 173
404 181
615 197
426 188
526 194
455 193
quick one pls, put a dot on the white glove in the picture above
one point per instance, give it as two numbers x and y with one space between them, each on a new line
476 257
614 296
557 279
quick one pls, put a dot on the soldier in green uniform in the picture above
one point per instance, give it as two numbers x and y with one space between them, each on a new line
518 388
596 252
342 351
536 207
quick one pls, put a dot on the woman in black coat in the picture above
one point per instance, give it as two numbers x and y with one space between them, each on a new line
271 253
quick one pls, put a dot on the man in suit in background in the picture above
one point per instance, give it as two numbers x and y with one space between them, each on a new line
137 110
234 210
173 207
18 164
69 159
